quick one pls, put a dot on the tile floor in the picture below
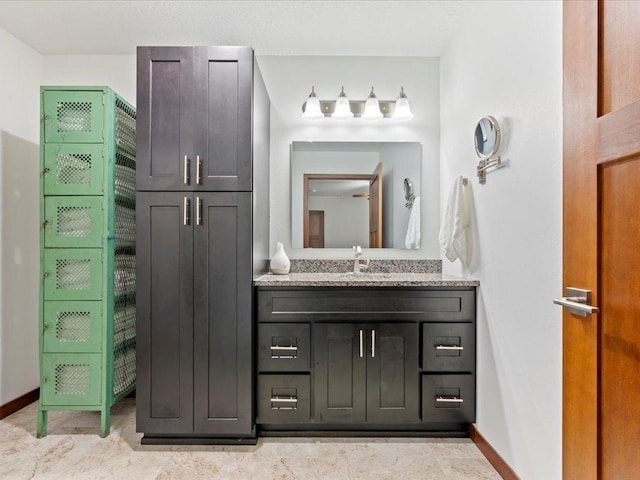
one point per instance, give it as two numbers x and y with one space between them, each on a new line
73 450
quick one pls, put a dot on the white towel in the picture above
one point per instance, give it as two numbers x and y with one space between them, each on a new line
412 240
454 233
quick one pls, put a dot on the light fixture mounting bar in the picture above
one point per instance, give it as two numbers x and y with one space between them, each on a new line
387 107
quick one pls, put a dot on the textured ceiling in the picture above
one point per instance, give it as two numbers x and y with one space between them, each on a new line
380 28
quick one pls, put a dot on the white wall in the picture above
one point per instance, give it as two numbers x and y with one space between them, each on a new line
19 184
19 243
507 63
115 71
289 79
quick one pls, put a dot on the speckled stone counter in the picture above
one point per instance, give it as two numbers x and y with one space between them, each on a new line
364 280
375 266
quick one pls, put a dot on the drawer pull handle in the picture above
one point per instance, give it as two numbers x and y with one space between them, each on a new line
277 348
449 347
284 400
449 400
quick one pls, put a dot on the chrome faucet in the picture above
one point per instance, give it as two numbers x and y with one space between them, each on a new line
357 266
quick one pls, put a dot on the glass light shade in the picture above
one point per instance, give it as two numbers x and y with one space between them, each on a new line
312 109
343 109
372 107
403 110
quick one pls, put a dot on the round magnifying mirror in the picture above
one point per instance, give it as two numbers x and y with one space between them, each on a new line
487 137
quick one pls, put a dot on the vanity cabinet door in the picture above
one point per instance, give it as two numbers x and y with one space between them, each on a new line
222 313
223 109
340 372
393 389
165 119
164 314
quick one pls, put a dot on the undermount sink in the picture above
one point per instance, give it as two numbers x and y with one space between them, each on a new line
364 275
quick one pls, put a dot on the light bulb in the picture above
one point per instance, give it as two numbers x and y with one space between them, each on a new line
372 107
403 110
311 109
343 109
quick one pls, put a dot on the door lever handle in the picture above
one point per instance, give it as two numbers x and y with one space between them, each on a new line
577 302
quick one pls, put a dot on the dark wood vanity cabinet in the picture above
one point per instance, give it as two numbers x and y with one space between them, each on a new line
377 359
366 372
202 234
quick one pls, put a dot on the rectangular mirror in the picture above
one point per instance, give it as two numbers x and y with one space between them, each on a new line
355 193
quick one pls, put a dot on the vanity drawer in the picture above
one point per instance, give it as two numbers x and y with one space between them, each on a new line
283 347
387 304
448 398
283 399
448 347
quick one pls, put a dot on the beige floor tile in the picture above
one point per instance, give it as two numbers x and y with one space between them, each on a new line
74 450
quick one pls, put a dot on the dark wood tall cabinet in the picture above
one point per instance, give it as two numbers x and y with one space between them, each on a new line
203 228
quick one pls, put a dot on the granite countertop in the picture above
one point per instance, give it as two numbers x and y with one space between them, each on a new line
364 280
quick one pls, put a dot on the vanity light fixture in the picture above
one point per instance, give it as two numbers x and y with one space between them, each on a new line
343 109
370 109
311 109
403 110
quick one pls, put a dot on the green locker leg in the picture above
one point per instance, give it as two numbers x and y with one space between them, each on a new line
42 423
105 422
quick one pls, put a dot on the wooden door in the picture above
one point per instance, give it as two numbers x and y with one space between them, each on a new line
601 353
375 208
340 373
392 373
316 228
223 108
223 342
165 92
164 255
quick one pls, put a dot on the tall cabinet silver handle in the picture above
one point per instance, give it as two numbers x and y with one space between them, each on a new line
186 170
198 211
361 343
186 207
373 343
198 170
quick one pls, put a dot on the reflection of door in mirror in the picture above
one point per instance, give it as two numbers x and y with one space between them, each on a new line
316 228
375 208
351 207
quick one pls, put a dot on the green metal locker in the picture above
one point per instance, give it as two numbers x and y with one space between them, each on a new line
87 251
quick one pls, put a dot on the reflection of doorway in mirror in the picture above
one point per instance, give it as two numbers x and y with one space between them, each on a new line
316 228
351 206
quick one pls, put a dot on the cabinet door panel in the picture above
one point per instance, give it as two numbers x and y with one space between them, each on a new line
339 373
393 373
164 314
224 79
164 118
223 327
